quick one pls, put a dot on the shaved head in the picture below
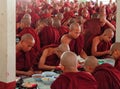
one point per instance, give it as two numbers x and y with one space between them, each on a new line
75 26
91 63
108 32
64 47
27 37
69 59
115 46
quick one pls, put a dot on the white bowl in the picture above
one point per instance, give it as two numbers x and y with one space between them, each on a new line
37 77
48 74
48 80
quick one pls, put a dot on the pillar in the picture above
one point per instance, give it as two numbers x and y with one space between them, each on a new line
7 44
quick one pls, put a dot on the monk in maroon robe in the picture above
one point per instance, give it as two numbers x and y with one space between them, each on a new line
101 44
115 50
75 40
50 56
33 53
106 75
71 77
23 61
49 35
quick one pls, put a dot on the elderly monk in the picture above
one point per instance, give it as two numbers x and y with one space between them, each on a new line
101 44
23 63
75 40
115 52
106 75
50 57
71 77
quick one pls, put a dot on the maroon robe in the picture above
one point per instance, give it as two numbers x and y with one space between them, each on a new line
33 53
51 60
74 80
67 16
49 35
102 46
117 64
107 77
62 30
23 62
76 45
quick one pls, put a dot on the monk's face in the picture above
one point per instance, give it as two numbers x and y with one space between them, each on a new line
27 45
116 54
75 33
108 38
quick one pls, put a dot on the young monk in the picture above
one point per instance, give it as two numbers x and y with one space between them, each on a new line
106 75
75 40
23 63
50 57
115 52
101 44
71 77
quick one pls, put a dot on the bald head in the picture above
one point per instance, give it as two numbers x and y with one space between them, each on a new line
69 60
64 47
75 26
90 64
27 37
115 46
27 42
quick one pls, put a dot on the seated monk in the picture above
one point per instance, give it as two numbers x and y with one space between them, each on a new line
115 52
23 63
75 40
106 75
50 57
101 44
71 77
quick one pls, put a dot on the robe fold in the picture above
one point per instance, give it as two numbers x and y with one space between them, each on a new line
75 80
76 45
23 62
49 35
33 53
107 77
117 64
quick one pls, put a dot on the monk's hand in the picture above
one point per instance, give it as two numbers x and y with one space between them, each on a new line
108 52
29 73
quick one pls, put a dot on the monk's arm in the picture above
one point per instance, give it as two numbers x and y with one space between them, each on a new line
42 64
110 25
83 54
26 73
94 48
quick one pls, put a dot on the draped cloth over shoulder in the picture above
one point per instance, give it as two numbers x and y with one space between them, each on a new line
74 80
107 77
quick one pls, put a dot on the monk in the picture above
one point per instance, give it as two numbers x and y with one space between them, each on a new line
106 75
101 44
50 57
71 77
75 40
23 63
115 52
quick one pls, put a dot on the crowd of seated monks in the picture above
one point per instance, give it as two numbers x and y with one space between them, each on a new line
51 36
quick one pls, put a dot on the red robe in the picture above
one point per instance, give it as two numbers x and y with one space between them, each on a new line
51 60
107 77
76 45
74 80
33 53
67 16
49 35
23 62
62 30
117 64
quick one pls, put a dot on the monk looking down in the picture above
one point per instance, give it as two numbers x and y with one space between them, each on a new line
115 52
50 57
23 63
71 77
75 40
106 75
